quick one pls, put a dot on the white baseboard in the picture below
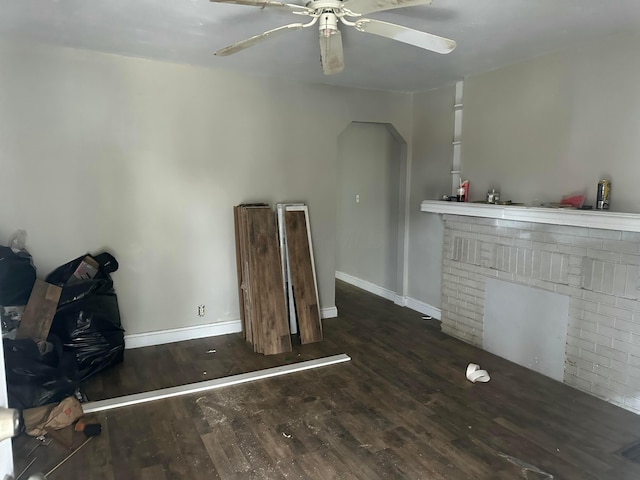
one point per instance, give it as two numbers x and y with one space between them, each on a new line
423 308
400 300
160 337
368 286
330 312
408 302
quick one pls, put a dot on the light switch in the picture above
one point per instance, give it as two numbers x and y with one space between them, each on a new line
357 198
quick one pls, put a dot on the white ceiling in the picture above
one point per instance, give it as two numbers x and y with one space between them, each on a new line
489 33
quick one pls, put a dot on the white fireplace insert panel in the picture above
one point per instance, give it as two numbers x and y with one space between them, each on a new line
527 326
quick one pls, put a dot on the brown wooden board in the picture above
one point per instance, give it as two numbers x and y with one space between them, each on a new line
241 264
253 336
271 325
39 312
242 267
250 311
302 277
236 224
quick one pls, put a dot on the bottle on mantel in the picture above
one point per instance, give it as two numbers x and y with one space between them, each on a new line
463 191
604 191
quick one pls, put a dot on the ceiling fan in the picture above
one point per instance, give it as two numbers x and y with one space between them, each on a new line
327 14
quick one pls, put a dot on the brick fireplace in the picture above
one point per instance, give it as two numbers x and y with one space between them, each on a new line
596 269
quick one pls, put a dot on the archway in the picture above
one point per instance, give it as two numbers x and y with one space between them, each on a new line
371 209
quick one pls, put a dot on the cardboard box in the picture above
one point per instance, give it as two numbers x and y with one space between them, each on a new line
38 314
87 269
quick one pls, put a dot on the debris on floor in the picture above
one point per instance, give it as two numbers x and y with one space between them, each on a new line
89 426
62 423
50 472
42 442
475 374
42 420
24 470
527 467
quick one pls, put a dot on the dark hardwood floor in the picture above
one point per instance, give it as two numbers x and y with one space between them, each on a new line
401 409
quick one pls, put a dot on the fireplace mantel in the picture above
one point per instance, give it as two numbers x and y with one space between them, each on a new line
606 220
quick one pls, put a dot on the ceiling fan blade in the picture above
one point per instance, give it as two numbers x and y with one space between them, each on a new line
267 3
331 53
420 39
236 47
363 7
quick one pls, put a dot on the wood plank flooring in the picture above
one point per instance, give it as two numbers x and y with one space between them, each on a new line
401 409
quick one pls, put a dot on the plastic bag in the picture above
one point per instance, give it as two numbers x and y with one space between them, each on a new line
18 241
10 318
17 276
87 319
38 374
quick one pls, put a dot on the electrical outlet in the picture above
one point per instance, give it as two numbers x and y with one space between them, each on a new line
201 310
357 198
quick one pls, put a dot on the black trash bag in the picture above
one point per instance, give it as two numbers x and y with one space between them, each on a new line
35 378
87 319
82 288
17 276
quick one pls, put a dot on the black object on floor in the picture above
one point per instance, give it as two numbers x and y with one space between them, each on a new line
87 319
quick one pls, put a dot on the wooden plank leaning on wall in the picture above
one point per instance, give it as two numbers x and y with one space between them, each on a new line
260 284
303 275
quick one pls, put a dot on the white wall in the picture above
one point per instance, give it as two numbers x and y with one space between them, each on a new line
557 124
534 130
430 179
369 166
146 159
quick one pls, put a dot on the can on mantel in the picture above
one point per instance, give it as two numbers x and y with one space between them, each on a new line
604 190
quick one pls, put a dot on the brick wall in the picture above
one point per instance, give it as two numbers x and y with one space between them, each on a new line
598 269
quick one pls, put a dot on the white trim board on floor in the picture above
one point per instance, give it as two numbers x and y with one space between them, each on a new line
137 398
161 337
408 302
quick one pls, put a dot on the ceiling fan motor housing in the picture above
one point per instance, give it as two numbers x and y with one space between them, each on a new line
328 23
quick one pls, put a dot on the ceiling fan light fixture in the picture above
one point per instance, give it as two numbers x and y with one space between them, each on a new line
328 24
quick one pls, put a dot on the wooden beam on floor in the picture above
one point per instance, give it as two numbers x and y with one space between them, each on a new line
137 398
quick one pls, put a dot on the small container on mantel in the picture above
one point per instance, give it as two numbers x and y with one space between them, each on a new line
604 191
493 196
463 191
